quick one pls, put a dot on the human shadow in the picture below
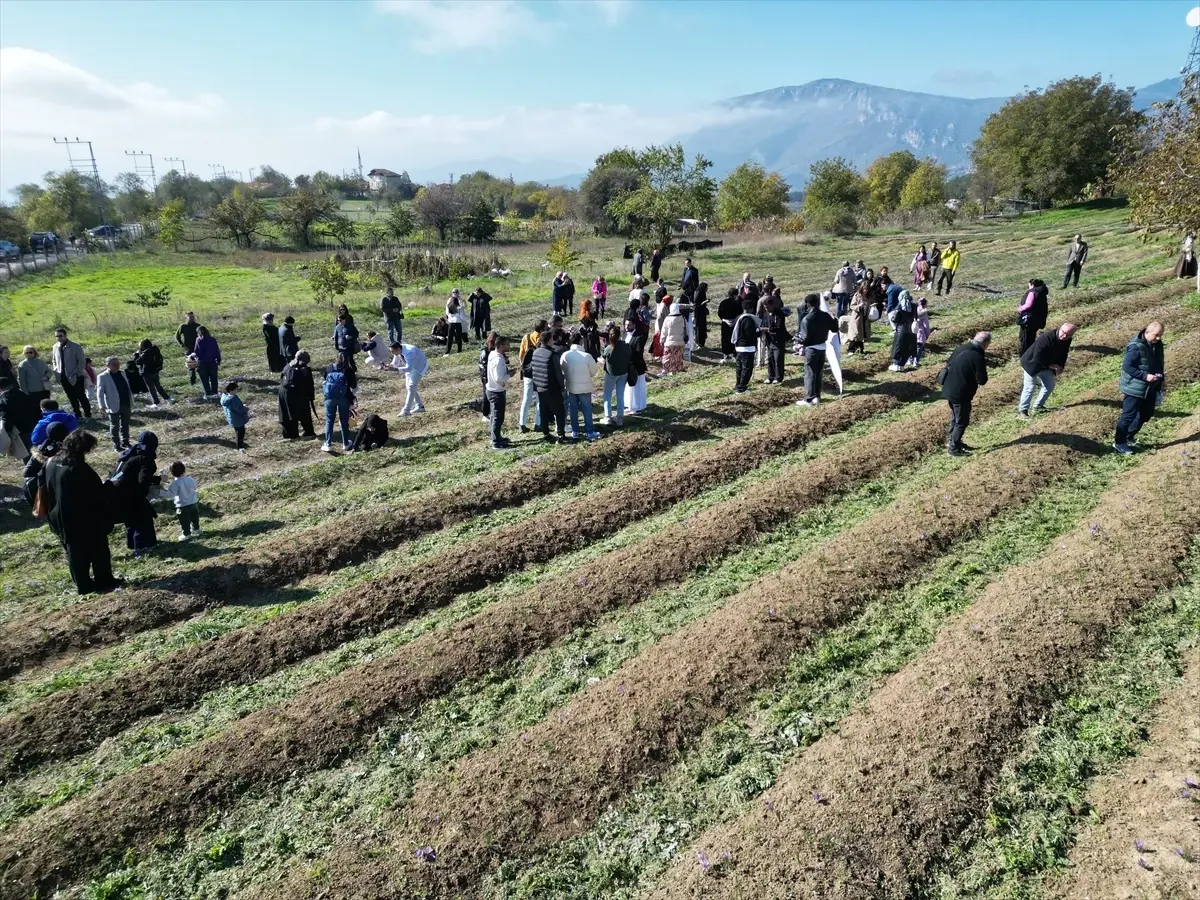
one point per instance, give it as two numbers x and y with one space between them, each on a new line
1109 403
1180 440
253 528
1075 442
1097 349
15 512
209 439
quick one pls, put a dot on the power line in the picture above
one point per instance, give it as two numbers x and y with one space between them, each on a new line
142 169
85 166
182 164
215 166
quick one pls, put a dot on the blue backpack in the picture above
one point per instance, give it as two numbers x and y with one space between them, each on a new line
335 386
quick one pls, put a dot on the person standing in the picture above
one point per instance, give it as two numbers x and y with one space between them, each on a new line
33 375
579 372
297 397
1077 254
1032 313
965 373
186 495
950 261
79 514
920 267
843 288
617 361
674 336
456 319
635 389
336 392
690 280
728 311
236 414
745 342
393 315
1142 371
638 263
922 328
149 362
410 361
655 263
135 476
700 315
497 391
185 337
556 303
567 294
289 343
904 339
858 329
600 294
270 331
529 398
814 332
69 361
1041 364
776 337
935 263
7 369
481 312
345 338
116 400
19 415
548 381
208 362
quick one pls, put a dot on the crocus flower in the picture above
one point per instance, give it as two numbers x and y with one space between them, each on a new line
426 854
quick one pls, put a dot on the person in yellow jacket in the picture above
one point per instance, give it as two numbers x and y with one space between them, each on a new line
950 260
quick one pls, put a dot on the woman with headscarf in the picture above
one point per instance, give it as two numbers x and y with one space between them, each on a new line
297 397
674 336
858 326
135 476
635 387
700 314
904 340
289 341
35 466
270 332
920 267
78 513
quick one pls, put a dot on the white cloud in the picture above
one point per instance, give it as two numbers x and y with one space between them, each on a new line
613 12
441 25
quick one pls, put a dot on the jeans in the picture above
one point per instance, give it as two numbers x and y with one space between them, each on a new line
1135 412
455 334
77 394
154 385
118 427
745 371
189 518
529 397
843 304
814 372
497 401
960 418
1047 381
1073 269
614 386
575 403
395 328
948 277
208 378
412 394
774 363
555 412
341 410
920 350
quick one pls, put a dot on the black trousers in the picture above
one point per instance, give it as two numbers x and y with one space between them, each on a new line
774 363
960 418
90 563
745 370
497 401
456 334
77 394
726 339
482 327
1028 336
948 277
240 433
154 386
552 408
1135 412
1073 269
814 372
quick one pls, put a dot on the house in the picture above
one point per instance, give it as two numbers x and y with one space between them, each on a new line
384 179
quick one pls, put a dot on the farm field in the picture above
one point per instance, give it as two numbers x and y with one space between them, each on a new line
737 649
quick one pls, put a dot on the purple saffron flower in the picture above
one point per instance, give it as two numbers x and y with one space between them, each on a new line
1139 845
1191 782
705 865
769 805
1145 865
976 628
1179 852
771 612
725 854
1186 795
426 854
820 798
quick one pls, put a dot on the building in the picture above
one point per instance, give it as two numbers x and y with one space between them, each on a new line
384 179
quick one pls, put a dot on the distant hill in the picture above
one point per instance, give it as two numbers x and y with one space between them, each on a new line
1159 92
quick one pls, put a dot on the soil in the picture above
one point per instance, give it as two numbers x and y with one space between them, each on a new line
1148 800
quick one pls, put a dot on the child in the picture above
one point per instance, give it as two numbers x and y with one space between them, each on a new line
187 505
236 414
922 328
377 352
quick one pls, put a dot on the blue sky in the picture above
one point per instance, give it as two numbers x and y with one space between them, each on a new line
429 85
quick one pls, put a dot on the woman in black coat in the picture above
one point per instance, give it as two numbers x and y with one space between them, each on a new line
289 343
79 513
134 477
297 397
700 315
728 312
275 360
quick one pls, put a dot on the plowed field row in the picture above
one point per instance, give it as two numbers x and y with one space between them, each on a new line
904 775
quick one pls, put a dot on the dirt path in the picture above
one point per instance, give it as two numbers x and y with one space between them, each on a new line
1150 800
866 812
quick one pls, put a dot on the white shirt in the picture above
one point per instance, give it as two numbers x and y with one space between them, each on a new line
184 490
460 316
578 370
410 361
497 372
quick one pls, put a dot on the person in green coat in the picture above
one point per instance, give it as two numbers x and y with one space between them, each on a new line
1141 385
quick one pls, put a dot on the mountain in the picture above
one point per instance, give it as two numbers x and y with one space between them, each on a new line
1159 92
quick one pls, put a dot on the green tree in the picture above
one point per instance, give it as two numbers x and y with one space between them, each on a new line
69 204
670 190
133 202
438 206
401 222
478 221
303 208
239 215
601 186
750 192
925 187
150 301
327 279
561 255
884 181
834 197
1049 146
342 228
270 182
170 223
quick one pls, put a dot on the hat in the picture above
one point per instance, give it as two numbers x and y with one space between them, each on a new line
267 317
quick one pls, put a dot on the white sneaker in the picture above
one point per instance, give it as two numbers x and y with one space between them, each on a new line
347 447
327 448
151 406
196 530
814 401
893 368
1123 449
170 402
182 538
406 413
606 421
802 403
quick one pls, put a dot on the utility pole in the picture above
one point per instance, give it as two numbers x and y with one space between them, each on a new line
215 166
182 164
252 173
85 166
237 172
142 169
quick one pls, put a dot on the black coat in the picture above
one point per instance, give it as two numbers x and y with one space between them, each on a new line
137 384
546 369
815 328
34 472
296 392
149 361
289 344
78 503
481 309
18 410
1040 311
373 434
1048 350
132 480
966 372
275 359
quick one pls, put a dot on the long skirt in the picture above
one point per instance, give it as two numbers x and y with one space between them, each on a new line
635 396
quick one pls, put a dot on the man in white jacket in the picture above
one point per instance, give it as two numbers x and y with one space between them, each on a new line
579 371
116 400
411 362
496 387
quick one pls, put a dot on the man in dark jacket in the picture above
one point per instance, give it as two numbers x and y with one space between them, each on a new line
777 339
79 513
19 413
345 339
964 374
149 362
546 369
1041 364
745 344
297 398
655 263
1141 385
289 343
727 311
185 337
566 294
814 332
690 279
393 316
480 302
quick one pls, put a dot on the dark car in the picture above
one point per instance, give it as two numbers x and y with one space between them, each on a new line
9 250
41 241
106 231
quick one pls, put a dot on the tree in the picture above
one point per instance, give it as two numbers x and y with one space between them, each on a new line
834 197
601 186
239 215
669 190
401 222
150 301
925 187
133 202
478 222
438 206
270 182
884 181
70 203
561 255
750 192
1049 146
306 206
198 196
327 279
170 223
342 228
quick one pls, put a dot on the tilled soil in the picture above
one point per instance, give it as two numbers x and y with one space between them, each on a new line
1148 800
557 777
868 810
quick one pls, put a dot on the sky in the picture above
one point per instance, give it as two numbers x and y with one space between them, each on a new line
434 87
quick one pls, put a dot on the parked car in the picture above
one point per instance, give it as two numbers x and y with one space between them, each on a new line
41 241
106 231
9 250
